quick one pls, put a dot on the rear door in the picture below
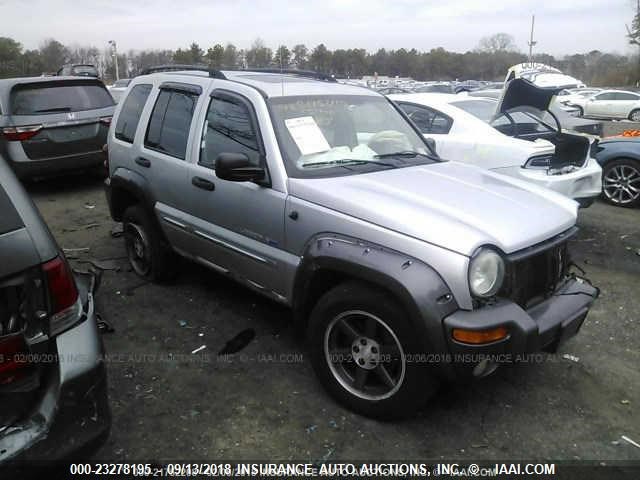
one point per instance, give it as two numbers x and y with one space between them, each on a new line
623 103
161 156
58 118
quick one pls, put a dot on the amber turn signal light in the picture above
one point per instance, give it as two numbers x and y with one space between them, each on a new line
477 337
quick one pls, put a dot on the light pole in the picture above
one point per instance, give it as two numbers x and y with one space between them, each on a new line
531 41
114 48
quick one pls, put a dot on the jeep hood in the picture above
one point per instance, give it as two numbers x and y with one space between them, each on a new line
520 93
455 206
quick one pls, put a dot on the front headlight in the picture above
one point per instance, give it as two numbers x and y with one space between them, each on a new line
486 273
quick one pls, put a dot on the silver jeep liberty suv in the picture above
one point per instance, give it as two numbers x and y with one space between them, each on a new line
402 268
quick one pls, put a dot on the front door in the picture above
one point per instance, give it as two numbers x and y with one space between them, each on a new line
239 225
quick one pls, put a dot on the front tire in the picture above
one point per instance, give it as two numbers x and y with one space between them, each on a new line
148 255
634 116
362 349
621 182
580 111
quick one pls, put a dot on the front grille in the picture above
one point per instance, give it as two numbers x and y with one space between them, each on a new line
532 279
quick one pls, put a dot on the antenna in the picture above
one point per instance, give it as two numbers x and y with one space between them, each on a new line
531 41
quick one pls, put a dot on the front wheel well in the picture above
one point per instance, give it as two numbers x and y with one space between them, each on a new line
121 199
320 283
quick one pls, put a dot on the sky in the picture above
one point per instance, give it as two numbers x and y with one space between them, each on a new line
562 26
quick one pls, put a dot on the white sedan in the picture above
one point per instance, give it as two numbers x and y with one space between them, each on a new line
515 143
610 104
118 88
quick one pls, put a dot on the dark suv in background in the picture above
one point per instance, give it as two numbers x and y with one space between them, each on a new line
79 70
53 125
53 389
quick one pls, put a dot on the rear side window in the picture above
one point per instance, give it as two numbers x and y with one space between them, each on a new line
58 97
229 129
170 122
129 116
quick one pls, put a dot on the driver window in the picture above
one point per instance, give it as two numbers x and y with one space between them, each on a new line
229 128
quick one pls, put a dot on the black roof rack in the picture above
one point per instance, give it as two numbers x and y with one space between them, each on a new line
292 71
175 67
218 74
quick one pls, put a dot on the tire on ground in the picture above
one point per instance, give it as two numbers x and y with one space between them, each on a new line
418 384
634 164
161 258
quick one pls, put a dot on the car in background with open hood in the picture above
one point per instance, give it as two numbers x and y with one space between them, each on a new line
509 136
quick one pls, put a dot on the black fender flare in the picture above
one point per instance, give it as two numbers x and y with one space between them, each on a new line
419 288
133 185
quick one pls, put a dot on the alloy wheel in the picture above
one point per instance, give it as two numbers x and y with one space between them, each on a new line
622 184
364 355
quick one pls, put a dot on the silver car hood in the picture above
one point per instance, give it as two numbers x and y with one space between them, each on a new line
455 206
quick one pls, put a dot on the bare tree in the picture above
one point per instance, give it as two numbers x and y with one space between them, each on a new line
499 42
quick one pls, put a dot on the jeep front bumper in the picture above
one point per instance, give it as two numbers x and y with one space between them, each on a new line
542 327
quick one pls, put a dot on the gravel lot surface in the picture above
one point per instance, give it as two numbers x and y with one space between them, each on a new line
264 403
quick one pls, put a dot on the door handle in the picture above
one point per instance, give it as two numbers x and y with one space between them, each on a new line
143 162
203 184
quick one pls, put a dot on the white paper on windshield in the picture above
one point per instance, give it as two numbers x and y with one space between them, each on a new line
307 135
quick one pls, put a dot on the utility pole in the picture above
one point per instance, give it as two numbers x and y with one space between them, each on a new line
531 42
114 49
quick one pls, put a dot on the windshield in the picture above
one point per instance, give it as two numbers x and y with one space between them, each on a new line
340 135
515 123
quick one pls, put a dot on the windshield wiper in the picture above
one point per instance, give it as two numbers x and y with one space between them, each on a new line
403 153
54 109
349 162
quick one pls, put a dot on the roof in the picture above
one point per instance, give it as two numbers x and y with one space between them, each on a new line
10 82
279 85
272 85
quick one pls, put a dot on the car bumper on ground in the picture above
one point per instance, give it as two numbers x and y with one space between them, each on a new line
541 327
582 185
72 417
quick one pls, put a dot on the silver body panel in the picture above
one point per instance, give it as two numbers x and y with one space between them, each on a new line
439 214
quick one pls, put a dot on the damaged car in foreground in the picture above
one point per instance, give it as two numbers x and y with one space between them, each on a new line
402 269
509 136
53 391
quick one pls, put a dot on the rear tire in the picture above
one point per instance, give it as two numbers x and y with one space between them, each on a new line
580 111
361 345
634 116
148 254
621 182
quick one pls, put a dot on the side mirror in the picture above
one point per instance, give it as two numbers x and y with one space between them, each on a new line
236 167
431 143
